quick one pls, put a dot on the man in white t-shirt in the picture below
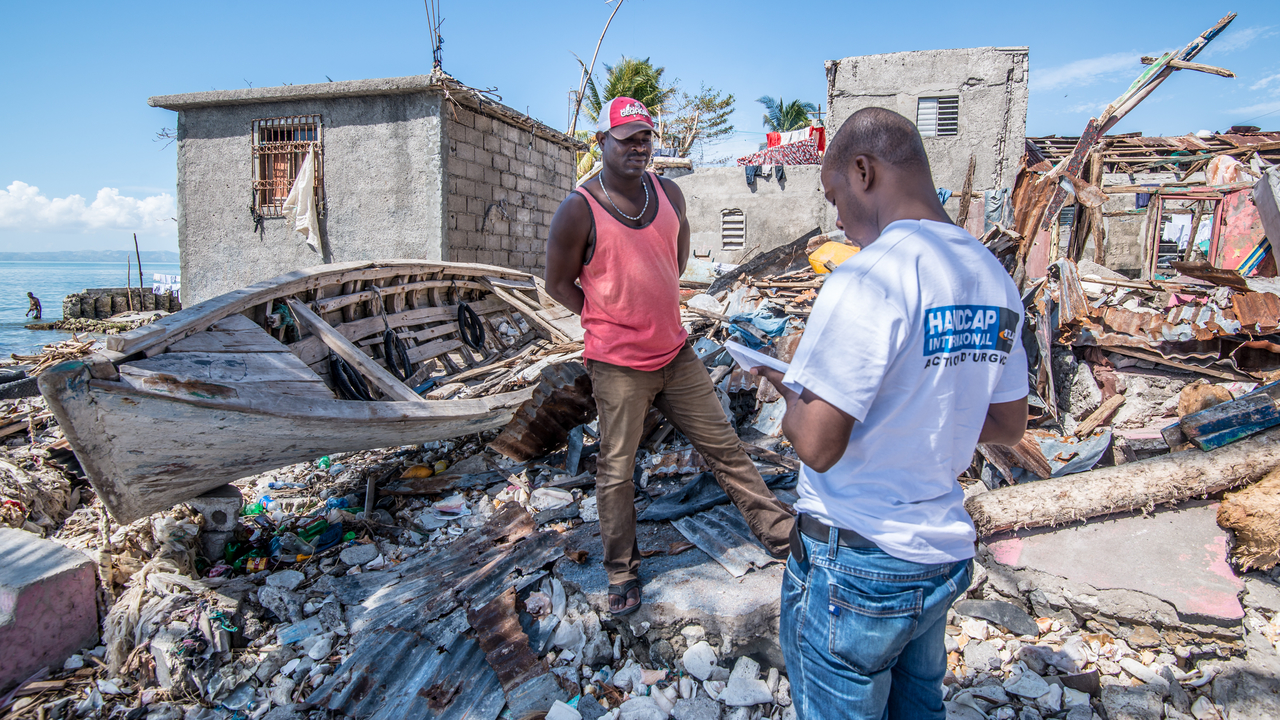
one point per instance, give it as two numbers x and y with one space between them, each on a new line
913 355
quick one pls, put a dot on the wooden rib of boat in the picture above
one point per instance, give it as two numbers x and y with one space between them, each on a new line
241 383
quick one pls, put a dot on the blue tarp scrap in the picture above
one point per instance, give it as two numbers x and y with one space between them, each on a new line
763 320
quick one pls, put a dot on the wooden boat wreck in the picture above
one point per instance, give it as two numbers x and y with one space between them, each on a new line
266 376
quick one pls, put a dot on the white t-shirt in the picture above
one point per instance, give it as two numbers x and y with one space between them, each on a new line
915 336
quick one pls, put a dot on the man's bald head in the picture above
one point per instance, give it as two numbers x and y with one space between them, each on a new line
882 134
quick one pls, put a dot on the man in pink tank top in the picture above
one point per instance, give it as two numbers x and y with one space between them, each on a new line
617 247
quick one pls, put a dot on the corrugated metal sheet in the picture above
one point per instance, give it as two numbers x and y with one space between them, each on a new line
561 402
1257 311
722 533
408 654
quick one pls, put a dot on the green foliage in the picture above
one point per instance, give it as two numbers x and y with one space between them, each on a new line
684 121
780 117
698 119
631 78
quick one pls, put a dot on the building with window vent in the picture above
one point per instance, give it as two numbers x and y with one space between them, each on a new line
967 103
412 167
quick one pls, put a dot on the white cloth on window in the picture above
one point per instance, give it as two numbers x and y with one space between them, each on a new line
300 205
1177 229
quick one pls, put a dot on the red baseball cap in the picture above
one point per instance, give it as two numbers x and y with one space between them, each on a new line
623 117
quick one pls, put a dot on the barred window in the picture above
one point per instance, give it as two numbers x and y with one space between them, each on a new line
937 116
280 146
733 229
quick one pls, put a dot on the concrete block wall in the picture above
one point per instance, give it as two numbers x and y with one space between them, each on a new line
503 185
774 213
382 183
991 83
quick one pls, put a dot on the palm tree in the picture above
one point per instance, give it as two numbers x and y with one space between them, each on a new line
631 78
779 117
588 159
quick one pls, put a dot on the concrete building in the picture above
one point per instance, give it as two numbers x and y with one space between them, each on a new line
968 104
730 221
412 167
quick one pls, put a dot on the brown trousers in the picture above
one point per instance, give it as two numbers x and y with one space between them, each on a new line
683 392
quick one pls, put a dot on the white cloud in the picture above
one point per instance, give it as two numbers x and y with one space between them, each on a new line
24 207
1266 81
1233 40
1256 111
1085 72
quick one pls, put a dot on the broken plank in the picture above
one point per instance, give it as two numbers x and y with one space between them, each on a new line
432 349
383 380
1099 416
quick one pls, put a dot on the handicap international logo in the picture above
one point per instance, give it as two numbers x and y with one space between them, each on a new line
969 327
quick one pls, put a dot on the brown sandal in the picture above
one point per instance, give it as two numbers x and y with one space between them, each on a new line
623 591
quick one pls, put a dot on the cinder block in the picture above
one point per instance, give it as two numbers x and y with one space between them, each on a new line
48 605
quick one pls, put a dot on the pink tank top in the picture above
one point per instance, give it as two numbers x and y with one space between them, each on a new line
631 316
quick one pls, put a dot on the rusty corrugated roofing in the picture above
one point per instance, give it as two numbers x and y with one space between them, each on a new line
409 654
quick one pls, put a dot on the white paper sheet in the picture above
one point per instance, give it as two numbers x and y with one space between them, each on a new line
748 358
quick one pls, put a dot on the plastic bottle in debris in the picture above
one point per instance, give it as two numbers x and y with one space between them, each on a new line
290 544
324 463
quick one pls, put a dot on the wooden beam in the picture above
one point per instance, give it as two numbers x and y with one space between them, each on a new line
1198 67
383 380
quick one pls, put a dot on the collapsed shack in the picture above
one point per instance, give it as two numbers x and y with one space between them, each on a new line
433 580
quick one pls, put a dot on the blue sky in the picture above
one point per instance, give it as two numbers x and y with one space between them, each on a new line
80 167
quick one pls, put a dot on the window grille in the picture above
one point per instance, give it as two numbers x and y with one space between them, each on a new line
280 146
733 229
938 116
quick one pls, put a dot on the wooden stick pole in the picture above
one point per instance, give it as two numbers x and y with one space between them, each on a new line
139 254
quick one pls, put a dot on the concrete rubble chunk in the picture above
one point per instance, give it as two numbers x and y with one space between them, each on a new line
745 669
1246 690
641 708
358 554
991 692
285 579
1007 615
1144 674
981 655
699 660
561 711
282 603
957 711
1124 702
1028 685
48 605
699 708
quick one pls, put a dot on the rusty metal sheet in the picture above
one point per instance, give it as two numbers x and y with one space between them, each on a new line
561 402
1073 305
1257 311
1208 273
504 642
409 655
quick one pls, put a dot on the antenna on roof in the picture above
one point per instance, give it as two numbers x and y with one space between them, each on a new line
434 21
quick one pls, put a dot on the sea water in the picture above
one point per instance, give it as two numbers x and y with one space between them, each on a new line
52 281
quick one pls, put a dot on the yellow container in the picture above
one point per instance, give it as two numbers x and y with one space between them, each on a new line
833 253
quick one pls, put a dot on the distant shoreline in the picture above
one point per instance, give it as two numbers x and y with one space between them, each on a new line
91 256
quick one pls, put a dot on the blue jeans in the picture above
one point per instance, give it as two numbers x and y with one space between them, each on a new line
863 632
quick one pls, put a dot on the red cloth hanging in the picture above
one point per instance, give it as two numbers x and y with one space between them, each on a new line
821 133
772 139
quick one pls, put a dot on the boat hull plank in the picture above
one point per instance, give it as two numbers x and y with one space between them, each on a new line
233 334
196 444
